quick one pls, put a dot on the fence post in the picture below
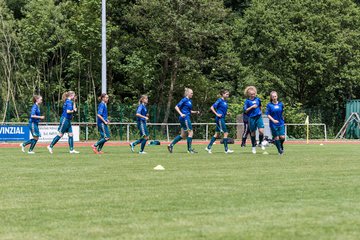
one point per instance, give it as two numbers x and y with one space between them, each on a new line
207 132
121 118
154 121
86 120
167 132
128 133
325 131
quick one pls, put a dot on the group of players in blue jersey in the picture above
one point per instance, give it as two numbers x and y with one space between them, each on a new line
274 111
69 108
252 114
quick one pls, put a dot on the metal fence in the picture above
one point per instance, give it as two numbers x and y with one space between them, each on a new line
125 112
122 131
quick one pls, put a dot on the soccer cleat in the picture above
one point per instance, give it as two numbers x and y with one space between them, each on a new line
100 152
132 147
170 148
208 150
22 147
253 150
31 152
142 152
262 146
50 149
229 151
94 149
74 152
243 145
192 151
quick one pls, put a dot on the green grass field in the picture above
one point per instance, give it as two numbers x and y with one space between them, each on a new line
312 192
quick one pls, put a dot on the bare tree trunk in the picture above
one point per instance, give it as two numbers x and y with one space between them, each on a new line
7 96
79 92
14 102
159 98
94 91
93 85
8 83
7 64
59 75
12 60
171 91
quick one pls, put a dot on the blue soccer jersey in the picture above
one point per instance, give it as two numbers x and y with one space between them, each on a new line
35 111
68 105
255 111
143 111
221 107
103 112
276 112
185 106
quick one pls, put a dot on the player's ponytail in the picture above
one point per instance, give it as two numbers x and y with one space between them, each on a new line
142 98
187 91
35 98
248 89
66 95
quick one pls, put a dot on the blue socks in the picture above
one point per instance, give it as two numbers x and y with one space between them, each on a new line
189 142
27 142
71 143
137 142
100 147
213 139
141 141
278 146
282 143
253 141
54 141
225 144
143 144
261 138
33 143
176 140
100 144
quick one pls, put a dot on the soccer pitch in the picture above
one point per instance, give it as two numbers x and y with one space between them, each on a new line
312 192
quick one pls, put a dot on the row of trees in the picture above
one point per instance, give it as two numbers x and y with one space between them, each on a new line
309 51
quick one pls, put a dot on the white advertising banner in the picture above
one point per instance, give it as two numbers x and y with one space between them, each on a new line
49 132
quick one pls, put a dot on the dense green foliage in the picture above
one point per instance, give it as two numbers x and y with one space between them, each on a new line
312 192
309 51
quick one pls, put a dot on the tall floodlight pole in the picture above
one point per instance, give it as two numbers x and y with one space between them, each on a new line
103 47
